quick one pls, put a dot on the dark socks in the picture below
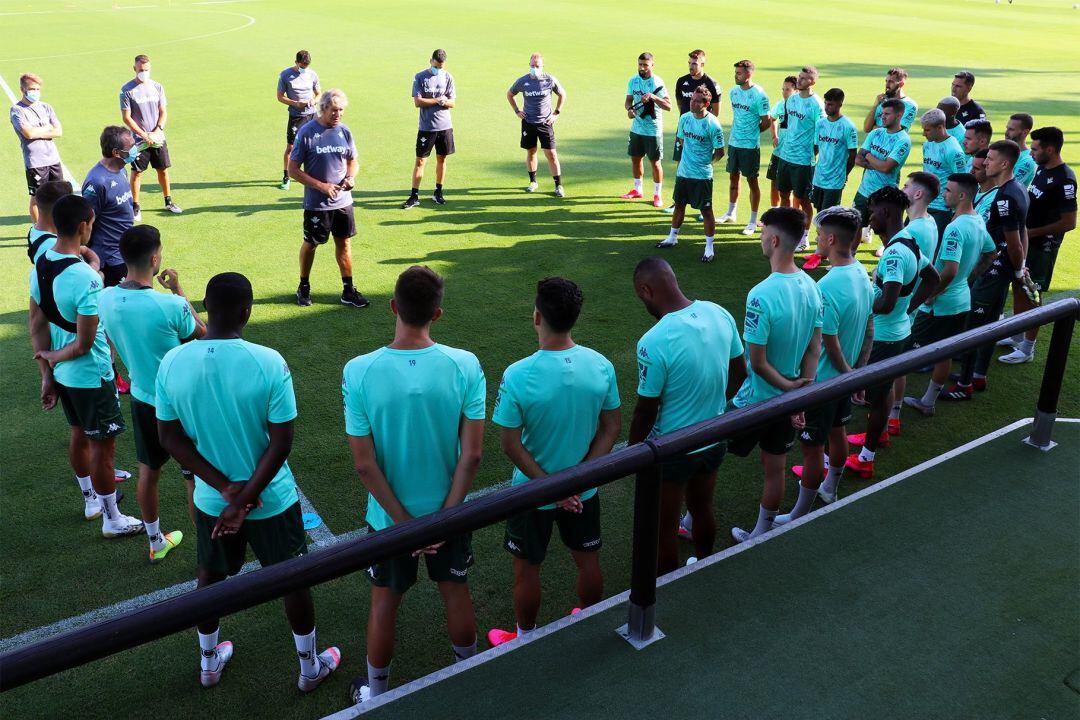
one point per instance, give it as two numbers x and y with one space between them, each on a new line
346 283
557 179
532 176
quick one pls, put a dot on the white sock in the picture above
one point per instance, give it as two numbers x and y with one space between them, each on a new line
153 532
708 244
1027 346
464 652
378 679
764 521
753 217
673 234
109 508
894 414
866 455
657 188
731 209
207 643
305 651
1017 339
931 395
832 479
687 522
804 503
523 633
977 376
638 184
87 487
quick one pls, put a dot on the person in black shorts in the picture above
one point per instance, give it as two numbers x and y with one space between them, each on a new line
684 92
434 94
538 119
143 110
298 88
36 126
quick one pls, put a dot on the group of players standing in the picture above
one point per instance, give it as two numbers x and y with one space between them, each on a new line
224 408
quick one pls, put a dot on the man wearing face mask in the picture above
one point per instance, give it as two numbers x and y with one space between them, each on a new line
297 87
433 92
895 80
36 124
142 107
538 119
106 187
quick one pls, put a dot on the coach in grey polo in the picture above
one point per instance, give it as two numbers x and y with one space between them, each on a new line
538 119
434 94
36 124
143 109
297 87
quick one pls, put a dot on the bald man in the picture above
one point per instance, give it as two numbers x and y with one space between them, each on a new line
951 106
681 383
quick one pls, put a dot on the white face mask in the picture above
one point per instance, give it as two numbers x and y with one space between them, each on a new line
143 76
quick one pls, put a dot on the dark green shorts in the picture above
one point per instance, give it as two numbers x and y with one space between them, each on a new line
883 350
776 438
273 540
823 198
930 328
942 218
528 533
676 150
95 410
450 563
862 204
1041 258
821 420
693 192
148 450
989 295
795 179
682 468
745 161
770 173
649 146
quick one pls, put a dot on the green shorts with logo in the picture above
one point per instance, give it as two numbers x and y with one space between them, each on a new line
529 533
930 328
693 192
795 179
148 450
824 198
776 438
821 420
883 350
1041 258
95 410
681 468
450 563
273 540
745 161
650 146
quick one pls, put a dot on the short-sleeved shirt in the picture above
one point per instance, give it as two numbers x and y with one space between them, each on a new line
76 291
957 131
847 299
1024 170
144 100
802 115
556 397
324 154
925 232
943 158
782 312
883 144
911 111
984 201
1008 213
429 87
226 393
777 114
143 325
964 242
299 84
897 264
636 88
701 137
41 152
970 110
537 93
683 360
1051 195
834 140
110 194
32 236
411 403
687 84
747 108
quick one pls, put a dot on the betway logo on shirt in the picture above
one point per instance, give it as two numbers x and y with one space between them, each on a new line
826 139
740 106
125 198
534 93
695 136
328 149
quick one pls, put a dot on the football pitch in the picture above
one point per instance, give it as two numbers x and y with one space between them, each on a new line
218 62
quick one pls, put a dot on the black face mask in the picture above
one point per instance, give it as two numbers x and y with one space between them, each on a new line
643 73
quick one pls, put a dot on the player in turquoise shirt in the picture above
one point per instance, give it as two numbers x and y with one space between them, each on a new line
749 117
225 410
42 235
987 192
1017 129
882 156
794 172
895 79
414 416
73 358
689 364
965 247
646 98
143 326
556 408
778 128
782 335
943 156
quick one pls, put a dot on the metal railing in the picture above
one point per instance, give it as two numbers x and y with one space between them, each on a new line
77 647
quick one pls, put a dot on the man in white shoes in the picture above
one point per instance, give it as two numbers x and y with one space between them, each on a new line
795 171
225 409
538 119
749 118
882 156
75 365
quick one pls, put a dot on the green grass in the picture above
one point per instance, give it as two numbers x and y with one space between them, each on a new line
492 242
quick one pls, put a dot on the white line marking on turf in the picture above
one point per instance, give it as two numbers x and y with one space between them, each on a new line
354 711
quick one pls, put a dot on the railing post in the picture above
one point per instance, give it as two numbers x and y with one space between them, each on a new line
640 629
1053 375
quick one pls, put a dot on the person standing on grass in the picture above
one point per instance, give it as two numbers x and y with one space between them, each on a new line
943 157
685 87
538 119
977 137
689 363
37 127
835 141
143 110
795 172
298 88
42 235
434 93
749 118
646 99
225 409
951 106
778 128
984 199
143 325
782 334
410 394
555 409
882 156
895 79
968 109
1017 129
324 161
72 355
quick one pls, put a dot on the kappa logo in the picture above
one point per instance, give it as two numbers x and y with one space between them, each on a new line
94 285
512 546
804 435
113 427
755 303
112 183
423 141
643 352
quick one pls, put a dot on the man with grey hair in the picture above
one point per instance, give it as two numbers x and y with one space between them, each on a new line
942 157
969 110
326 152
538 119
950 106
36 124
143 110
434 93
